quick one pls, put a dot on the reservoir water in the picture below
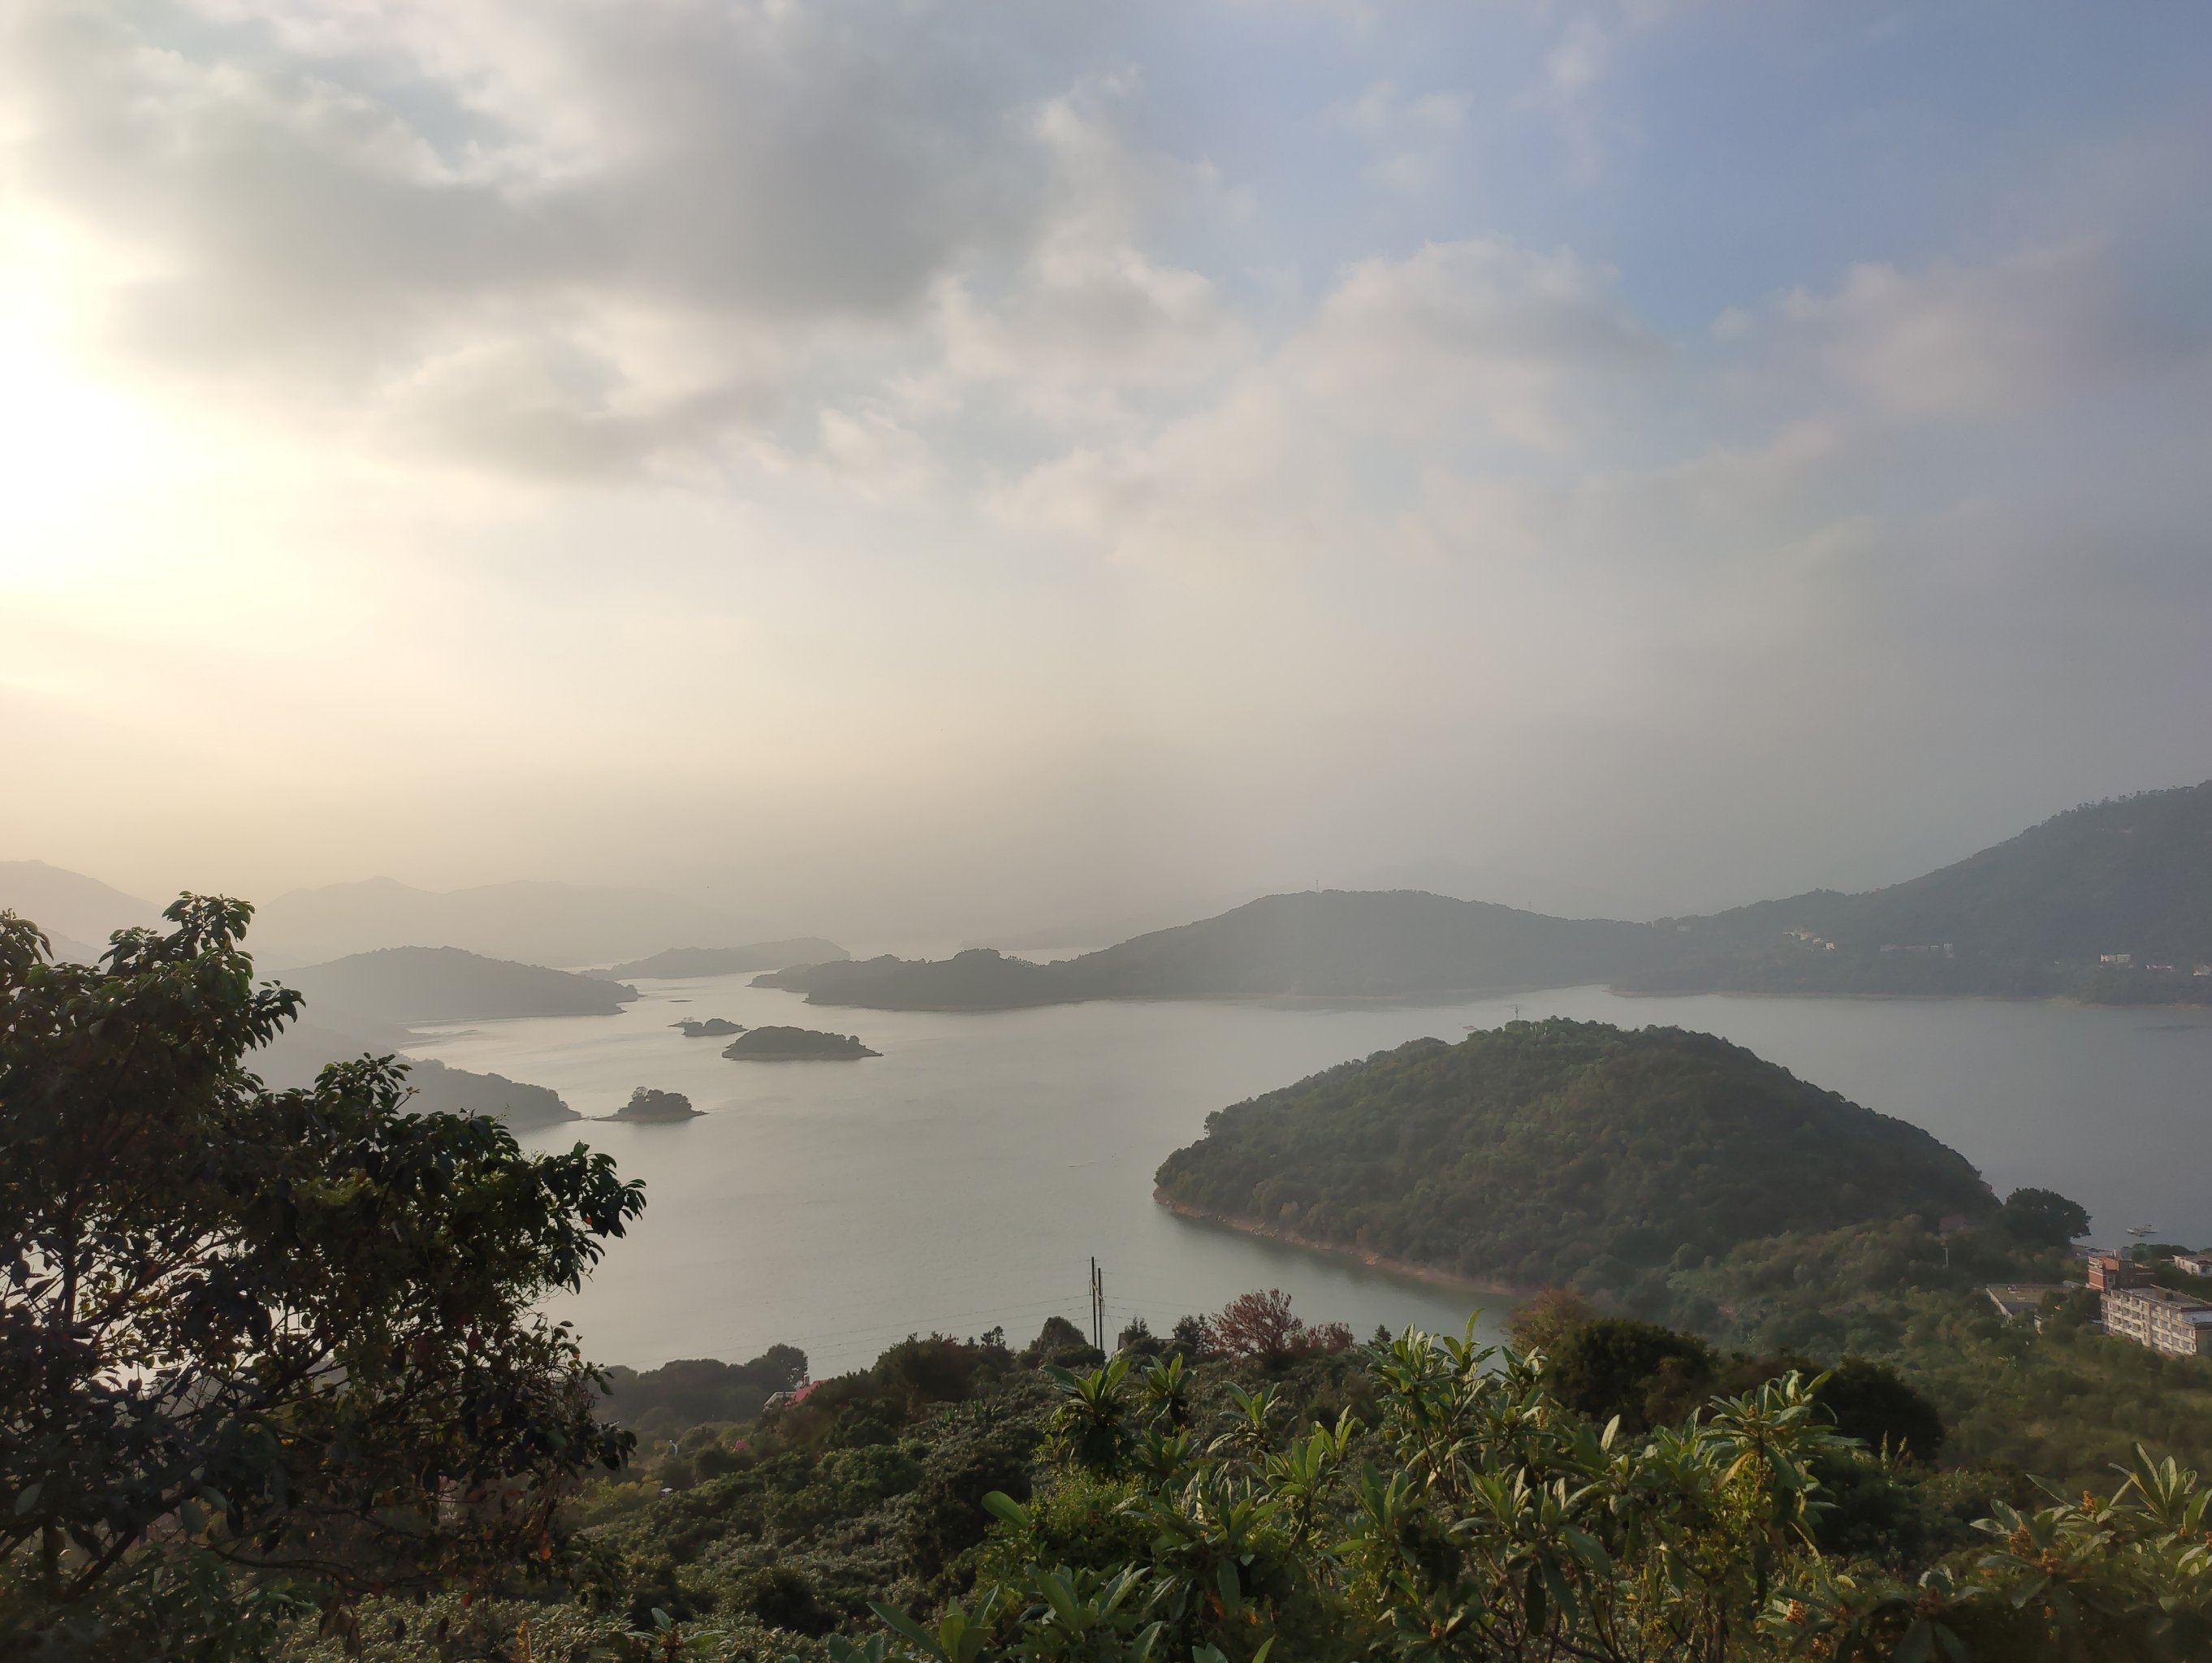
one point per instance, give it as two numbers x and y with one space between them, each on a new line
963 1179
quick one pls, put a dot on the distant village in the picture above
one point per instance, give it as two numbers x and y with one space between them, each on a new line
2134 1304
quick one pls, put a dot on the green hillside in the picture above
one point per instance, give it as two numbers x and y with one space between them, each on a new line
1558 1151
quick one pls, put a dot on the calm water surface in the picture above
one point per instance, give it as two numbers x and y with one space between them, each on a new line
963 1179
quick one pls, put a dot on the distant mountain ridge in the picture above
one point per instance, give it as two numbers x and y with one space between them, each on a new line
77 913
407 985
532 923
1328 943
2109 902
685 961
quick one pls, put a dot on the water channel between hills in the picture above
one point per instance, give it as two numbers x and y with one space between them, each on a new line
963 1179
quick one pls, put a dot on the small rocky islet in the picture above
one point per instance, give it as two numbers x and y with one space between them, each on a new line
796 1044
647 1104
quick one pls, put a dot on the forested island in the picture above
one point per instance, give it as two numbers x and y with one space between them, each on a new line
693 1028
647 1104
796 1044
2110 902
1563 1152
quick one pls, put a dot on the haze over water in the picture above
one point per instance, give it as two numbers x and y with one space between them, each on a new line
963 1179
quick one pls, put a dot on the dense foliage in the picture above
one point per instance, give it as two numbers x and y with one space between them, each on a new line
694 1391
1558 1151
1417 1498
261 1347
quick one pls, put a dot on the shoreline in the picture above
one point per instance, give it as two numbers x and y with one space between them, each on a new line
1373 1261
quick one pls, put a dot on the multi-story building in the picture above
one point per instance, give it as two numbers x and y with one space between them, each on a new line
2196 1264
2178 1324
2109 1269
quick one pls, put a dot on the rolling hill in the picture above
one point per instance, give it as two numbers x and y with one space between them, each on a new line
556 924
77 913
404 987
2109 902
1558 1151
1331 944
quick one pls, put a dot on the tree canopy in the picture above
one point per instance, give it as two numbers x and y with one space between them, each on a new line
1561 1152
260 1347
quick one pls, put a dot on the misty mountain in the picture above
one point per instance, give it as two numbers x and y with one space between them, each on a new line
77 913
2040 914
556 924
1329 944
2051 912
980 979
684 961
404 987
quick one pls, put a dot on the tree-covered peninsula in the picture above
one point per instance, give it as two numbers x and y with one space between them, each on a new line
1562 1151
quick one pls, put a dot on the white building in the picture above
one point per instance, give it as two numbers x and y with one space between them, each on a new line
2180 1324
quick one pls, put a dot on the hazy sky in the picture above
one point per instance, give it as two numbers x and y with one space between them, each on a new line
963 466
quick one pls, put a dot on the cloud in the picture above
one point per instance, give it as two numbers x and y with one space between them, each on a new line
2003 339
584 232
1458 350
1412 136
1088 314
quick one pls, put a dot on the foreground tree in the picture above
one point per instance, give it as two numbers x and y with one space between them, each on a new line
259 1348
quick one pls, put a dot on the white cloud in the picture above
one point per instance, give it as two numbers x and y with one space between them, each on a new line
2004 339
1089 312
1458 349
1413 138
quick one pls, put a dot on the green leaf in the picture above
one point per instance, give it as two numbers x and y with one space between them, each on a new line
1587 1548
893 1618
27 1499
1000 1505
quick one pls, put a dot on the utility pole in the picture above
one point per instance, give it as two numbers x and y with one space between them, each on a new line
1097 1306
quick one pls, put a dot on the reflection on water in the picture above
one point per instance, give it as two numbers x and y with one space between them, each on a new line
963 1179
